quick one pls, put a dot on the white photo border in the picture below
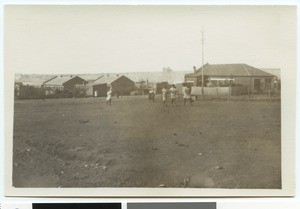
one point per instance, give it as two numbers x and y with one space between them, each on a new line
288 120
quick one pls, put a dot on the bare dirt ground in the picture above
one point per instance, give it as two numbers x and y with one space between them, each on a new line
136 143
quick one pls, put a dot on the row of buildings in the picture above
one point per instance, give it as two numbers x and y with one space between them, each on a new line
37 86
57 86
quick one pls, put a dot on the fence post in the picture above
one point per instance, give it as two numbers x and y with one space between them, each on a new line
249 93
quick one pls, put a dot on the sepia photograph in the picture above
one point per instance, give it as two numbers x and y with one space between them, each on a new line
124 97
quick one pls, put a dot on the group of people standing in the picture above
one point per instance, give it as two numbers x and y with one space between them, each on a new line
165 94
173 92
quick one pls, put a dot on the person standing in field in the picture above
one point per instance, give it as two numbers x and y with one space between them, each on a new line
108 98
153 95
164 96
172 94
187 94
150 95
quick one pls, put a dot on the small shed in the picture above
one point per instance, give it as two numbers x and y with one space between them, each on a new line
121 85
73 85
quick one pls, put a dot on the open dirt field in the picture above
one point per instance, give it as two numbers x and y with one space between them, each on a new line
136 143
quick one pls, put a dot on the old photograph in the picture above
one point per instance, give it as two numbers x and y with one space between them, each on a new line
183 97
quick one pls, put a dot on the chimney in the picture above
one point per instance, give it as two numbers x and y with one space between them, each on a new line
195 69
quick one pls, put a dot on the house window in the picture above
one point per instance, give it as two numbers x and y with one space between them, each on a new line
268 83
222 82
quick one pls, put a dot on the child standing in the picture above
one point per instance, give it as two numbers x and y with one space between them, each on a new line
187 94
172 93
108 98
164 96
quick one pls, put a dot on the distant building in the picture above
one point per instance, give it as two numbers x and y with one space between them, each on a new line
166 75
160 86
30 86
232 74
35 80
72 85
91 78
120 84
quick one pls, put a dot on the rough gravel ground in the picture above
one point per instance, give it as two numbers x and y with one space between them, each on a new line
136 143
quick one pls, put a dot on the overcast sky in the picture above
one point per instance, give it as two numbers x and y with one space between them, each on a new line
96 39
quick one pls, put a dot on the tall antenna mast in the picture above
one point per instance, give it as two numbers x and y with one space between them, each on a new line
202 76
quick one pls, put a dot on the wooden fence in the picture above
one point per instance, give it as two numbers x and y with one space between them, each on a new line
219 91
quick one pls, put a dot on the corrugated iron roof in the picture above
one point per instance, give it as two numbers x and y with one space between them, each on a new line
59 80
106 79
32 79
152 77
155 77
90 77
232 70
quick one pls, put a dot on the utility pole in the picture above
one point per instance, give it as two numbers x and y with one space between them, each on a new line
202 76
